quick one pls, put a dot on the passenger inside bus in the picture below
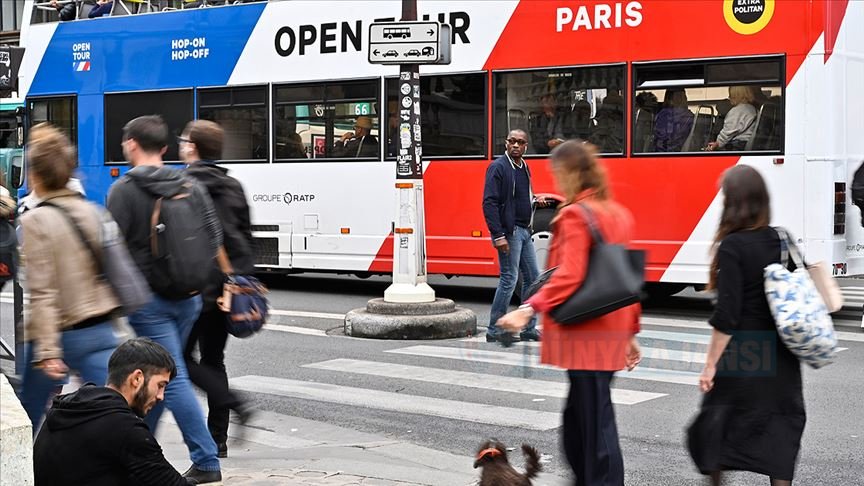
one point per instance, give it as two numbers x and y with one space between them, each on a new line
673 123
547 128
608 131
359 143
739 124
293 147
643 128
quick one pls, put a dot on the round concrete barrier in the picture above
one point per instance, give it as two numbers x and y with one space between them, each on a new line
441 319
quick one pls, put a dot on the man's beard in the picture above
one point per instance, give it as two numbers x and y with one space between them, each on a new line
139 401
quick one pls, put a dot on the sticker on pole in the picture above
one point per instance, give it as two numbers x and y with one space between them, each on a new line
409 43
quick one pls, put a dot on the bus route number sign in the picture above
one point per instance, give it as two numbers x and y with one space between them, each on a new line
409 43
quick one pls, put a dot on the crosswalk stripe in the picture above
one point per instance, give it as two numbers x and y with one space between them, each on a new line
307 331
682 337
531 361
398 402
506 384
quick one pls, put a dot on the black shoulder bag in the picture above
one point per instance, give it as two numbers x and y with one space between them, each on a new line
614 279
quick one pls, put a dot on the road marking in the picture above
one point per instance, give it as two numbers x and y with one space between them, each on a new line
681 337
398 402
296 330
532 361
313 315
506 384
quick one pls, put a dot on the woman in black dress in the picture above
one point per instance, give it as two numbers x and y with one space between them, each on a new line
752 415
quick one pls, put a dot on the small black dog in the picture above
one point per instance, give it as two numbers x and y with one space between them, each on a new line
497 471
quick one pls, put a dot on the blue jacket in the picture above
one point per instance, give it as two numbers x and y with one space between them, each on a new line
499 206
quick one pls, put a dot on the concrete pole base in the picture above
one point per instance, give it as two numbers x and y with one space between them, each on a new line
409 294
440 319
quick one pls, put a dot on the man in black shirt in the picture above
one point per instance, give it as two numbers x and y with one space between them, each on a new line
95 436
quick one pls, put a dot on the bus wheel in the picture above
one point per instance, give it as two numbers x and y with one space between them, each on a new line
541 237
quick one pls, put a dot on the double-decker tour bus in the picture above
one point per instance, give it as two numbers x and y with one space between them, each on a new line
647 81
11 143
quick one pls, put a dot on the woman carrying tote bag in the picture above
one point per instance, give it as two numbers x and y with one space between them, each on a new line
593 350
752 414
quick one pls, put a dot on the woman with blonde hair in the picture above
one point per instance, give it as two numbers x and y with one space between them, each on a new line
739 125
593 350
752 414
71 307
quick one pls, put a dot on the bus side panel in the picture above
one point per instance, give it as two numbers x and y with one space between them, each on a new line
849 55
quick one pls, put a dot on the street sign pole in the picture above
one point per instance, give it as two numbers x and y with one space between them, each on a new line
409 232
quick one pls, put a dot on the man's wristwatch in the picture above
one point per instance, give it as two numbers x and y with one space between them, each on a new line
526 307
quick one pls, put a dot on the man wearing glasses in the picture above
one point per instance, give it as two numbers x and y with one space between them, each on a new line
507 207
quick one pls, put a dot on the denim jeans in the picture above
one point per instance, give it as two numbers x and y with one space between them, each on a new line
169 322
84 350
521 259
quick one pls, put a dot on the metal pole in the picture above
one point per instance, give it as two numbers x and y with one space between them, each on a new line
409 234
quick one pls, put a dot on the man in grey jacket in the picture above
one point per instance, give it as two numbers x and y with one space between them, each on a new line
167 320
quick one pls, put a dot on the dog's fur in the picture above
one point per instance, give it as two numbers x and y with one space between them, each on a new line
497 471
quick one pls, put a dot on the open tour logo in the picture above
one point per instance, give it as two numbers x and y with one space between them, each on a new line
748 17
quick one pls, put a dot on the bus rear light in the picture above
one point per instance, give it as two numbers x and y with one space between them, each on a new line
778 160
345 231
476 234
115 172
839 208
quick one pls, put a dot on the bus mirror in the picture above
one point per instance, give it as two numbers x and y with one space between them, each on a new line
17 172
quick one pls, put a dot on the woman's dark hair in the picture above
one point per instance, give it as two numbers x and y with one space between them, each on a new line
139 354
746 206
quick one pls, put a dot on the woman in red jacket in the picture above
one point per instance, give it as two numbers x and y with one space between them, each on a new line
594 350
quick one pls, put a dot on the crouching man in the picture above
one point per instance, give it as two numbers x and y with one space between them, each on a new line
95 436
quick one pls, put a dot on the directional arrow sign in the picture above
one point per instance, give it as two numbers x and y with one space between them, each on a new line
409 43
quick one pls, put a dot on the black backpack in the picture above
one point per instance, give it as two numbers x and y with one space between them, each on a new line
180 245
858 190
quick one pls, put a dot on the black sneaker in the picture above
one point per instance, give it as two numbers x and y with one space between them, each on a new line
530 335
197 476
505 339
221 450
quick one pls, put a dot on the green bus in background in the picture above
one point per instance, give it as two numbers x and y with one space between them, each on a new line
12 144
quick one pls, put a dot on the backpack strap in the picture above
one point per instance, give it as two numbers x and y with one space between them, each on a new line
155 227
81 235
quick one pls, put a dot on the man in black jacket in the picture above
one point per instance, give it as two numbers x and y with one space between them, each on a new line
200 146
95 436
508 208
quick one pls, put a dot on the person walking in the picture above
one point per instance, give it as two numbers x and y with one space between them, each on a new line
507 208
752 413
140 201
594 350
95 435
71 307
200 147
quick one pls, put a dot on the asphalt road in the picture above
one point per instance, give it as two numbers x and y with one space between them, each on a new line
450 395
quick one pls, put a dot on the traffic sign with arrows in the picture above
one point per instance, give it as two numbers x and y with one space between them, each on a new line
409 43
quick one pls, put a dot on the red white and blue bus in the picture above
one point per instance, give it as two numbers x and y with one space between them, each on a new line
287 79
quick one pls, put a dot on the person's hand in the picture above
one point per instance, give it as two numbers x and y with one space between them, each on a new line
347 136
502 245
712 146
706 379
543 202
633 354
515 321
54 368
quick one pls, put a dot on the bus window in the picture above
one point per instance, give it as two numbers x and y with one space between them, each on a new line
174 106
60 112
453 114
242 113
554 105
708 106
326 120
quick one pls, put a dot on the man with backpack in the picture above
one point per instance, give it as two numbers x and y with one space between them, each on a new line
173 234
858 200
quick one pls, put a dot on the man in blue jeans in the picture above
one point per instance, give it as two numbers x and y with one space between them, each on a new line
508 207
166 319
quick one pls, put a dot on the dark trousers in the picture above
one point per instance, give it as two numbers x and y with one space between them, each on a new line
590 435
210 336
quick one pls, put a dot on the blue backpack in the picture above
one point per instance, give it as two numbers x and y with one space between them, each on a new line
245 304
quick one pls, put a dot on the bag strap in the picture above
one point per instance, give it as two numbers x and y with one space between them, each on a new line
592 224
81 235
789 249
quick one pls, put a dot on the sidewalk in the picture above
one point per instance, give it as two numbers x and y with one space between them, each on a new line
278 449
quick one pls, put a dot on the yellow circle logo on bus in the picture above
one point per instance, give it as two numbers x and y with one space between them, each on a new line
748 17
